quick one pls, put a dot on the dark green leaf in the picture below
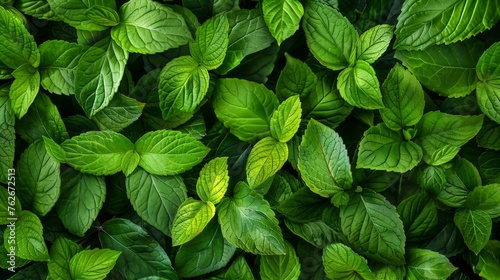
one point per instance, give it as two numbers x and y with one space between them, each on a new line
7 134
488 88
303 206
296 78
419 215
28 238
61 253
286 267
461 179
486 199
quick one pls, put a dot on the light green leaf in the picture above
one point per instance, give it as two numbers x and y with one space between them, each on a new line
93 264
296 78
7 133
244 107
488 88
130 161
317 233
427 264
323 160
282 17
403 98
239 270
285 267
17 45
182 86
341 262
38 179
102 15
82 197
373 227
24 89
384 149
449 70
213 180
72 12
374 42
486 199
191 218
265 159
168 152
330 36
121 112
97 152
303 206
475 226
211 42
436 130
61 252
98 74
36 8
285 120
461 179
207 252
488 260
425 23
248 222
141 255
420 217
29 243
359 86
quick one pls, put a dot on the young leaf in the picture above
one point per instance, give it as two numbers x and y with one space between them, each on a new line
82 197
374 42
488 88
341 262
248 222
244 107
285 120
449 70
72 12
359 86
384 149
97 152
55 151
282 17
7 134
61 253
296 78
330 36
183 85
24 89
461 179
239 270
373 227
403 98
213 181
98 75
211 42
266 158
191 218
427 264
323 160
102 15
168 152
286 267
486 199
303 206
419 215
93 264
141 255
475 226
420 26
28 238
121 112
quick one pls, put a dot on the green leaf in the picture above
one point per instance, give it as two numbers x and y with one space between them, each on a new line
248 222
28 238
191 218
475 226
42 119
10 208
317 233
93 264
38 179
265 159
282 17
239 270
323 160
168 152
384 149
61 253
432 179
449 70
182 86
97 152
141 255
17 45
359 86
24 89
486 199
156 198
207 252
488 88
72 12
98 74
447 240
461 179
37 271
102 15
341 262
330 36
427 264
36 8
425 23
211 42
7 134
286 267
373 227
121 112
489 135
419 215
489 166
82 197
285 120
244 107
303 206
373 43
403 98
296 78
488 260
436 130
213 180
140 31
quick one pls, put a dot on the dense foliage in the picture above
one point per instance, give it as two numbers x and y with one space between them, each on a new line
225 139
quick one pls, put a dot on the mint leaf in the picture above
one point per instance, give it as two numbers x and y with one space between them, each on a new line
461 179
487 263
61 252
285 266
211 42
419 214
317 233
190 220
285 120
342 262
296 78
374 42
488 87
93 264
213 181
330 36
24 89
102 15
303 206
489 135
72 12
282 17
97 152
486 199
168 152
121 112
384 149
359 86
7 133
239 270
265 159
475 226
427 264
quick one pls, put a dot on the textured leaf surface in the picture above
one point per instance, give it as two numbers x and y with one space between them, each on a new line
282 17
475 226
211 42
190 220
485 198
93 264
419 215
213 181
374 42
24 89
359 86
286 267
265 159
72 12
296 78
121 112
427 264
341 262
61 252
7 133
488 88
285 120
29 241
